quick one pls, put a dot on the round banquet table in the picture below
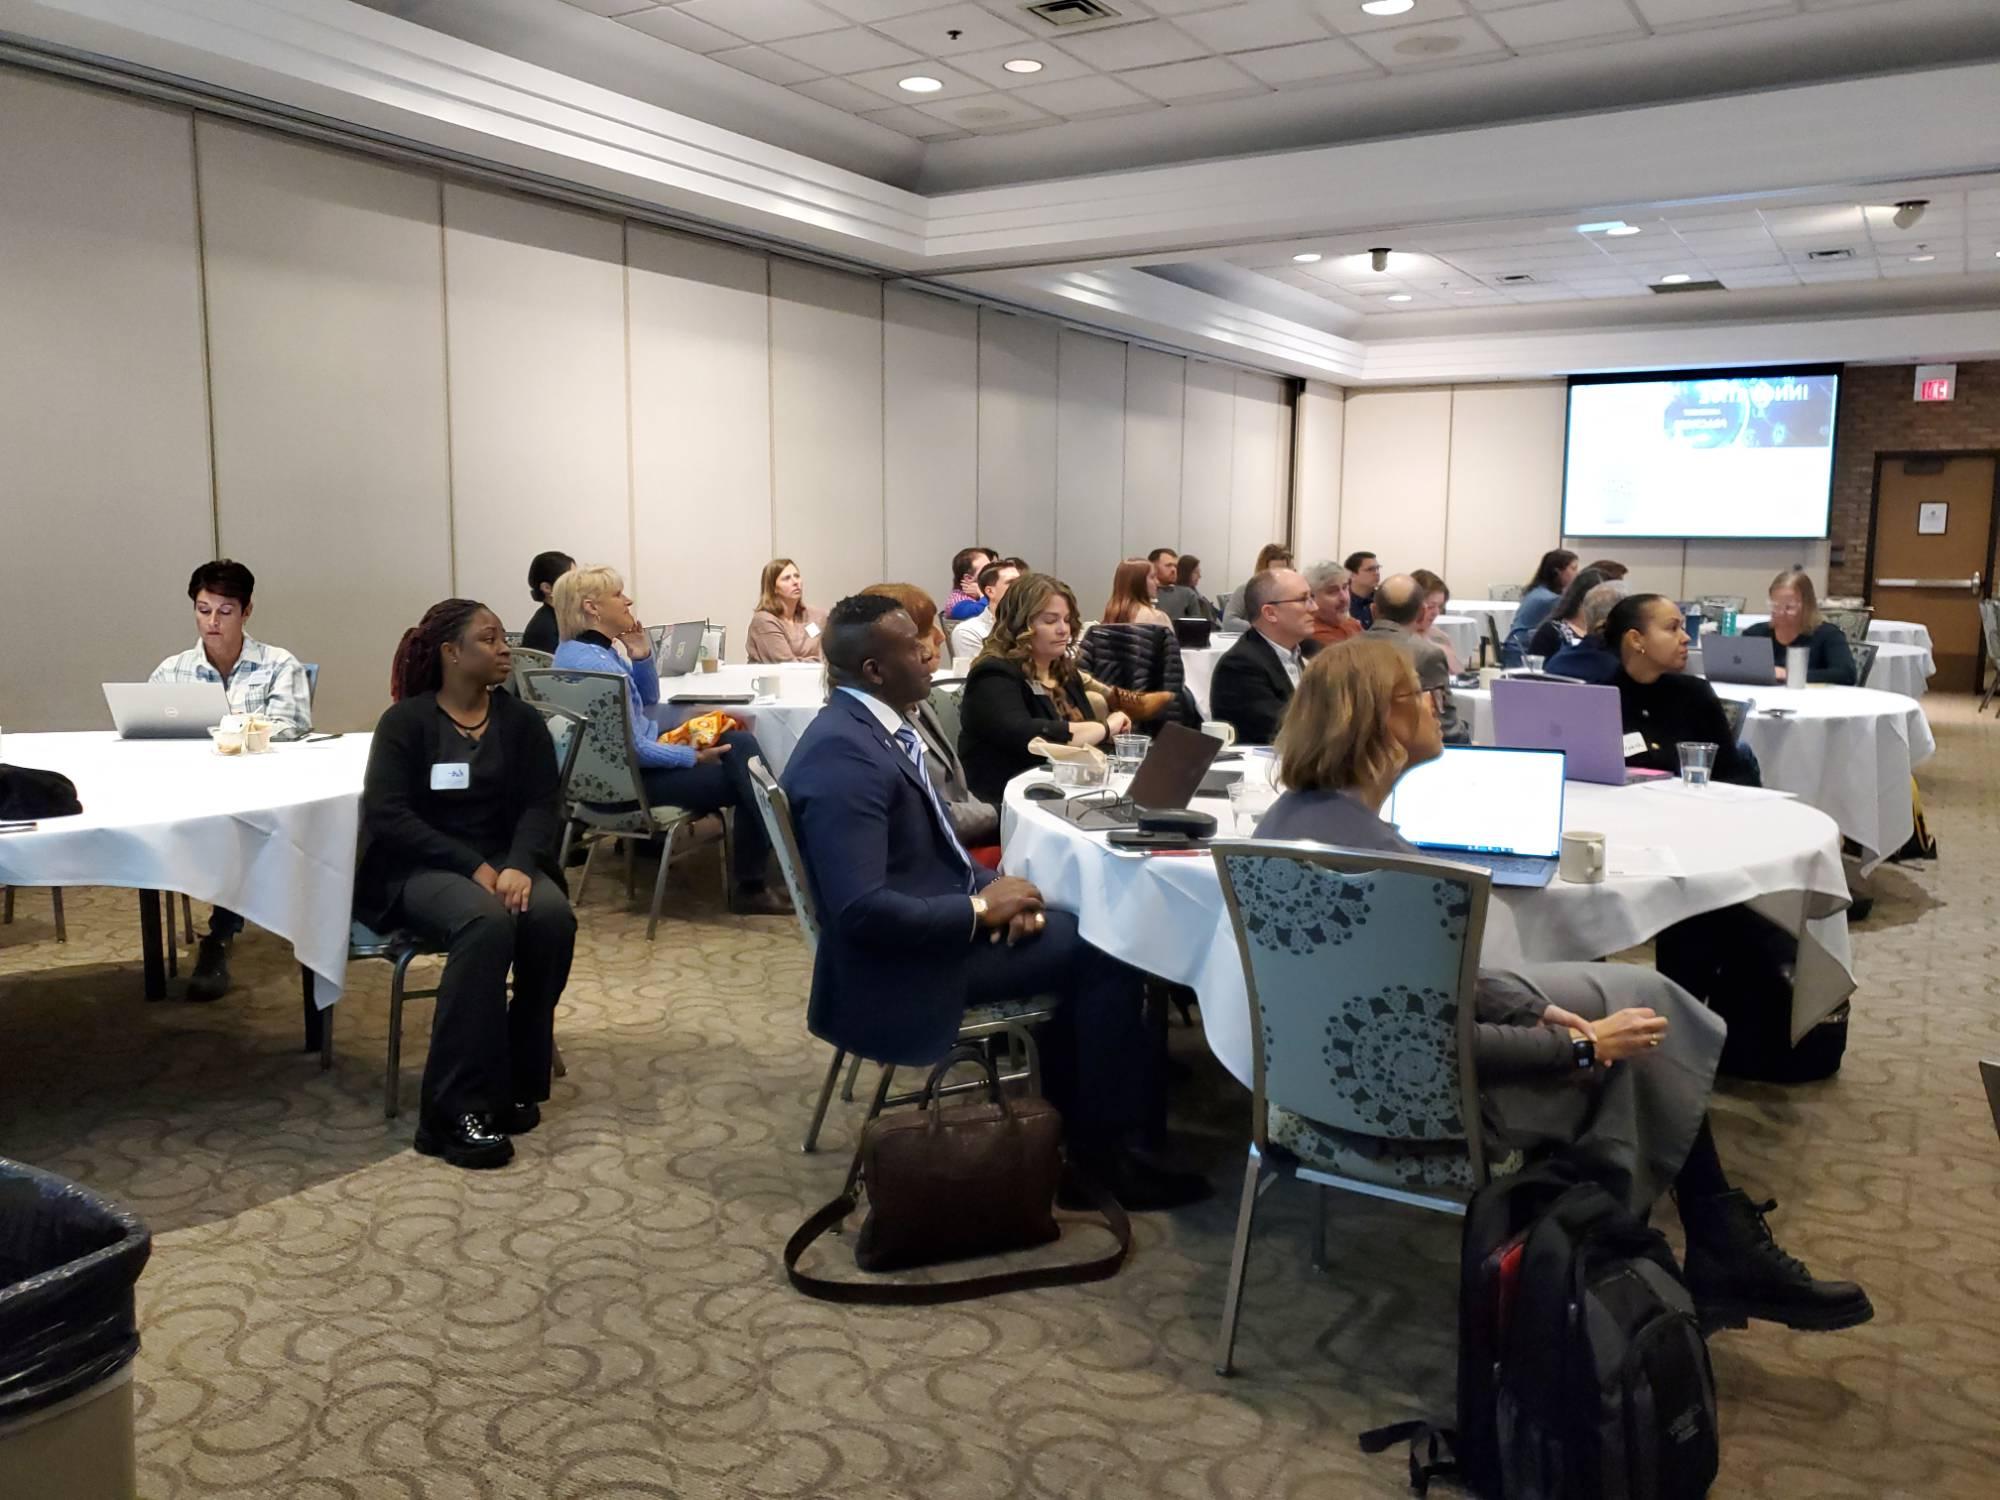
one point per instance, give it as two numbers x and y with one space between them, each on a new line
1198 667
1902 669
1465 633
1847 751
1672 853
1882 632
1502 612
269 836
777 722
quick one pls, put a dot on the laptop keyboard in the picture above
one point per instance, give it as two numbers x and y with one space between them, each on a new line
1513 864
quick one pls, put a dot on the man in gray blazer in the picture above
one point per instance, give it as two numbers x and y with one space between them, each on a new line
1399 603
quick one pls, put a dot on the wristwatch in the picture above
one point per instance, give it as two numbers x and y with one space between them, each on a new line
1583 1051
978 914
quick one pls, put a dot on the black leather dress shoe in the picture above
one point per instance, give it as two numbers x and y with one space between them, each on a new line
1139 1181
518 1119
472 1141
210 980
764 902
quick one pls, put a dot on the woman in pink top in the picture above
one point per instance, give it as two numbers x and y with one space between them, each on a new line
783 628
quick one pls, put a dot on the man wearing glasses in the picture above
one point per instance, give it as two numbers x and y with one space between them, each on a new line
1399 605
1255 678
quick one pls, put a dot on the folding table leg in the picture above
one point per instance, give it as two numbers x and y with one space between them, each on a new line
149 942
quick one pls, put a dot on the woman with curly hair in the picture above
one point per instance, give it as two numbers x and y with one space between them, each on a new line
1025 685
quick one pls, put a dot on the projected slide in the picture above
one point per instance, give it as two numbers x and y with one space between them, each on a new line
1747 455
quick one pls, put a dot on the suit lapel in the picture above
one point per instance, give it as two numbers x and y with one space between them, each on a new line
882 739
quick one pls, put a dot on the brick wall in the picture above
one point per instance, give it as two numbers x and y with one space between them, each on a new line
1877 415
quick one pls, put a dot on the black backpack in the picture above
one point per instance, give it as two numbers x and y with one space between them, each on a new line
1582 1374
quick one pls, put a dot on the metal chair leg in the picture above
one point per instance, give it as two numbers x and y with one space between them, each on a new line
874 1109
1320 1194
390 1103
631 878
55 897
825 1098
853 1072
660 882
1232 1302
584 879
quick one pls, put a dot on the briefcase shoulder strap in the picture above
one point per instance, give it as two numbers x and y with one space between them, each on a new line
906 1294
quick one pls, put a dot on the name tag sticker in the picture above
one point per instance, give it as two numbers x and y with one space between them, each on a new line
454 777
1635 744
811 629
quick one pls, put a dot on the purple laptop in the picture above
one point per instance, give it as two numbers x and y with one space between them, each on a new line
1580 719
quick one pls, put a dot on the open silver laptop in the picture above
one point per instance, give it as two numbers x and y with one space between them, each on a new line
680 653
1484 806
165 710
1744 659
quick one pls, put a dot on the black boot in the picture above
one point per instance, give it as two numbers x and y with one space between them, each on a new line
1139 1180
469 1140
1736 1271
210 980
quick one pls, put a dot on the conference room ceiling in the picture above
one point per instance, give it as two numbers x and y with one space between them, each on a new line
1160 81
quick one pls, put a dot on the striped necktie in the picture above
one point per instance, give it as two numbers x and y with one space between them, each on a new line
913 747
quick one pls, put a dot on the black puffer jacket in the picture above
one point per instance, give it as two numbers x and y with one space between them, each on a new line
1144 658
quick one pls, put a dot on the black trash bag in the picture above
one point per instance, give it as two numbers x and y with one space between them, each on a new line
26 793
68 1262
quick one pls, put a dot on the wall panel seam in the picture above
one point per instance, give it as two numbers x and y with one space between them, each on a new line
1450 433
631 459
207 347
450 428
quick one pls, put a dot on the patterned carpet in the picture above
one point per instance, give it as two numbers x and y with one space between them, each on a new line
330 1317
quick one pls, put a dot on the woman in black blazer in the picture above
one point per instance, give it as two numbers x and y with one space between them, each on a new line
1024 686
458 832
1660 702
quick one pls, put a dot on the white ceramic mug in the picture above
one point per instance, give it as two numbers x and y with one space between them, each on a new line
1487 677
1582 860
1224 732
767 687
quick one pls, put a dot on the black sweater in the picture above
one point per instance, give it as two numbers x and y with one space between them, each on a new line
999 712
505 815
1673 710
1828 656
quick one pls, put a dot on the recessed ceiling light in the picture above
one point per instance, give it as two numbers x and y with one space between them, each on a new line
1608 226
1021 65
1387 7
919 84
1622 230
1924 257
1679 278
1306 257
1399 296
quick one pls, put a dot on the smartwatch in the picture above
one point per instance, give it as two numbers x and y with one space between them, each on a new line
1583 1052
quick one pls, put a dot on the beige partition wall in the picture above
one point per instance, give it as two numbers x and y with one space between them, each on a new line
1155 402
1090 465
1017 435
701 426
535 312
326 370
826 428
104 481
930 436
1260 469
1505 482
1208 465
1317 428
1394 476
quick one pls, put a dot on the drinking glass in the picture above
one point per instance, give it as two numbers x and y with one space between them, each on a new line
1249 800
1697 761
1533 663
1127 750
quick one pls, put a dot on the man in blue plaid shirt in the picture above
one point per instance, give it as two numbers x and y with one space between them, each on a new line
257 679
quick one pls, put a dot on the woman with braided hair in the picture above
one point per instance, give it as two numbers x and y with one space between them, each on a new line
458 834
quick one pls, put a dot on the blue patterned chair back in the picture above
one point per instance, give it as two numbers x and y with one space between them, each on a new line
1865 653
1852 623
606 769
777 810
1361 971
566 735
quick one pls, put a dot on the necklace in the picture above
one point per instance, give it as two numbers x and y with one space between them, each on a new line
468 731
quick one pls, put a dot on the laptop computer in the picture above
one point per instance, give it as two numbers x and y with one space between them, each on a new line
1193 632
1169 776
1502 809
1583 721
680 653
1747 659
165 710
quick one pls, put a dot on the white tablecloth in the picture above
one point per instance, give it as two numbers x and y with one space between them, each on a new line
1883 632
1902 669
1477 610
1847 751
268 836
777 723
1688 853
1198 667
1466 632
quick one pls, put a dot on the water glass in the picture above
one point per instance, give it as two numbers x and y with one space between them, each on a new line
1697 761
1249 800
1127 750
1533 663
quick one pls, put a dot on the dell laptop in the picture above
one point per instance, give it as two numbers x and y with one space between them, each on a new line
1168 777
1501 809
165 710
1584 722
680 653
1747 659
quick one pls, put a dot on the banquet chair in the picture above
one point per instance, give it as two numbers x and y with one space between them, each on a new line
607 793
512 637
1735 713
312 681
527 659
1852 623
1360 971
400 948
55 899
1495 641
1989 625
1504 593
1865 653
1011 1019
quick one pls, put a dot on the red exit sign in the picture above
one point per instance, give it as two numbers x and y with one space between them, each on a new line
1936 382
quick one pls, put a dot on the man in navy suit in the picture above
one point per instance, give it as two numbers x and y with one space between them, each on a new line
912 931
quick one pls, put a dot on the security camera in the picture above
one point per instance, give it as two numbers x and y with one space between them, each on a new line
1909 211
1379 258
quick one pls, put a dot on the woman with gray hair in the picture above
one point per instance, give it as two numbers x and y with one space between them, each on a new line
1331 621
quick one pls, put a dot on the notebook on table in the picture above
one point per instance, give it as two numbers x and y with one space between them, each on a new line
1583 721
1501 809
165 710
1169 777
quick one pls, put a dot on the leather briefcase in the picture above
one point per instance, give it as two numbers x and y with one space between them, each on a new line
949 1182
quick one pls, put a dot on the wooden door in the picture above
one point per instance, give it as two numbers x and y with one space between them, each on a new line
1931 576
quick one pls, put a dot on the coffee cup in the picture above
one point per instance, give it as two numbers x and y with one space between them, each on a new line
1582 861
1221 731
1488 676
228 735
710 664
766 687
256 735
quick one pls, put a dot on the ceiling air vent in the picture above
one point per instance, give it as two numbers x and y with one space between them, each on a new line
1664 288
1515 278
1072 12
1829 255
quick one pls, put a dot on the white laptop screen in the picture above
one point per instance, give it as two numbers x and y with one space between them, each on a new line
1489 801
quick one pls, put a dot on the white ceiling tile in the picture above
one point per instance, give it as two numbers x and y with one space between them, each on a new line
1668 13
1739 260
1443 44
990 66
1186 7
984 113
1142 46
1204 78
763 20
682 30
867 11
915 122
1348 16
1560 23
612 7
841 93
1257 23
1740 218
977 29
762 62
1825 218
883 81
852 49
1090 95
1722 240
1308 62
